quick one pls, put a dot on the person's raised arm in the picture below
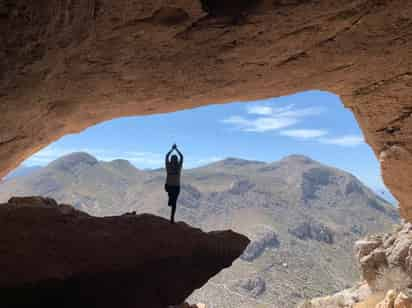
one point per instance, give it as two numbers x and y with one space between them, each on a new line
180 156
167 157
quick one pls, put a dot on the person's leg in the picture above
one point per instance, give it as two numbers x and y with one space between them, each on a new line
172 215
170 202
175 193
169 194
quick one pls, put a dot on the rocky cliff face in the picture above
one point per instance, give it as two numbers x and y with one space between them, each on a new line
55 256
385 262
68 64
385 252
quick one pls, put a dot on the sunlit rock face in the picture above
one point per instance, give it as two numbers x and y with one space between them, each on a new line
379 253
65 65
53 255
385 263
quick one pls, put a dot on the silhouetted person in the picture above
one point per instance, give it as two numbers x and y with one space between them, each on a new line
174 170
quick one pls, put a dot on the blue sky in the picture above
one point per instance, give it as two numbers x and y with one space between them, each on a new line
312 123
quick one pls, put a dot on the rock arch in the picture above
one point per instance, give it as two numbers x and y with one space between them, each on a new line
68 64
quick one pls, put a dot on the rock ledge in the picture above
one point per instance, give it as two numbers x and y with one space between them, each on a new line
56 256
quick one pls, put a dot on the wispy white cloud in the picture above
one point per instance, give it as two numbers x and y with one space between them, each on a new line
259 125
292 111
259 110
345 141
262 118
265 118
237 120
304 133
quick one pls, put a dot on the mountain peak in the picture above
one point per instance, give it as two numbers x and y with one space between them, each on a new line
73 160
233 161
122 164
297 158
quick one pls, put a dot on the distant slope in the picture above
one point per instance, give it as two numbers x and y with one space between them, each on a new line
303 217
22 171
386 194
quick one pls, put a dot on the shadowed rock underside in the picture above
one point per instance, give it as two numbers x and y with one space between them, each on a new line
55 256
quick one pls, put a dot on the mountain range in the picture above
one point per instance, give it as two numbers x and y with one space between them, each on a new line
302 217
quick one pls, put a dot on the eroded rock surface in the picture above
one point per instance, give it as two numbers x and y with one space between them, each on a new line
386 274
312 230
55 256
66 65
403 300
265 238
378 253
345 299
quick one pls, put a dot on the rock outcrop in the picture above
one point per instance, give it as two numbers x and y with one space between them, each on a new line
262 240
312 230
403 300
386 269
66 65
53 255
395 299
390 251
388 301
252 286
344 299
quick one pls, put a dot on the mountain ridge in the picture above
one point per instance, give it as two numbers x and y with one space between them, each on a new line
87 157
226 162
302 216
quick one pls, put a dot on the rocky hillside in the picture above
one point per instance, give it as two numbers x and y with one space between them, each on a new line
303 218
